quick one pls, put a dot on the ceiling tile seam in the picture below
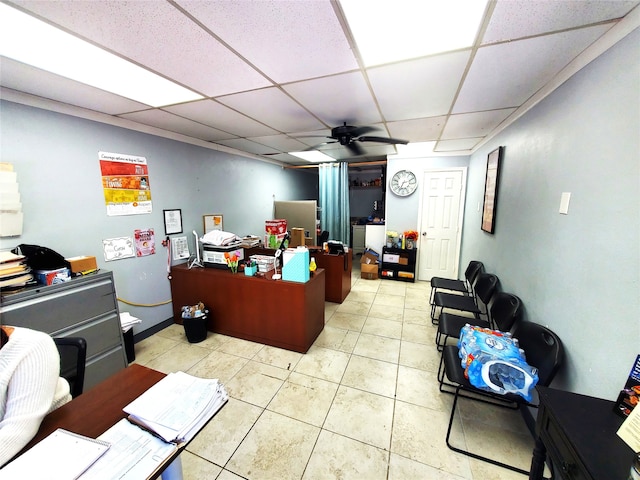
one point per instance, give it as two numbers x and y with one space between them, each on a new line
220 40
609 38
486 18
346 29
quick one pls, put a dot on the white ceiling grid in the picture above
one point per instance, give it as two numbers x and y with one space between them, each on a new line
277 75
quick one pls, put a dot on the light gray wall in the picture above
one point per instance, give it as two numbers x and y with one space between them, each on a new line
56 160
576 273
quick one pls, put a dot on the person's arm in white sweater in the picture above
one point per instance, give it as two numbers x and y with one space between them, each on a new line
29 395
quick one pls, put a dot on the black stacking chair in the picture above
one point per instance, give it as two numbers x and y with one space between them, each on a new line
504 314
324 237
464 286
505 309
543 350
73 358
484 288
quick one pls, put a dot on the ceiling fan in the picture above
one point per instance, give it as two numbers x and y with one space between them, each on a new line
348 135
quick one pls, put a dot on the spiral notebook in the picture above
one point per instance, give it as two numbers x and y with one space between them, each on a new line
62 455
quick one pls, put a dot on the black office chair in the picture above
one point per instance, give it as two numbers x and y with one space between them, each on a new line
543 350
464 286
324 237
505 309
484 288
73 358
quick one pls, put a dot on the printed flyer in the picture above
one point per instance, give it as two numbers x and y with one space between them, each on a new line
145 242
125 182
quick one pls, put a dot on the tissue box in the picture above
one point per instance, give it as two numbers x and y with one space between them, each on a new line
51 277
295 264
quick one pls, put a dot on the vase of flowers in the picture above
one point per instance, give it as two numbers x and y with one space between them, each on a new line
411 237
232 261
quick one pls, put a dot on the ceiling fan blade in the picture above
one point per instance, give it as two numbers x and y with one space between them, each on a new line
392 141
358 131
315 147
355 148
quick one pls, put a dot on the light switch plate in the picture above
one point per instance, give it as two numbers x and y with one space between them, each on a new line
564 202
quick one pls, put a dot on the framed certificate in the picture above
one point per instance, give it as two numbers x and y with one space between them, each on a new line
212 222
172 221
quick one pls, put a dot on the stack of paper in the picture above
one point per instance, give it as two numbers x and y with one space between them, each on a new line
63 455
178 406
14 272
127 321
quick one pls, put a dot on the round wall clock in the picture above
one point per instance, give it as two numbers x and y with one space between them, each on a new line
403 183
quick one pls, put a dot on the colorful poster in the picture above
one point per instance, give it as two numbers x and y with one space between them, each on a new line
145 242
125 182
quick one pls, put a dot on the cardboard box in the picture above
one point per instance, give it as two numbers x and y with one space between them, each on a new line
295 264
369 256
369 271
390 258
82 264
273 241
51 277
297 237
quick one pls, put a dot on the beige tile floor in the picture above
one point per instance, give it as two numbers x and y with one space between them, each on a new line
362 403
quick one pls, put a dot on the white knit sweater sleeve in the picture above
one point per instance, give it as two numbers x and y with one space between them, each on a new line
29 372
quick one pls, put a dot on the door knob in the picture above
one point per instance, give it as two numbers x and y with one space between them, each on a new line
424 234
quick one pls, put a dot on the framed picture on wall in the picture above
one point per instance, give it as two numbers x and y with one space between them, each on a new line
494 159
212 222
172 221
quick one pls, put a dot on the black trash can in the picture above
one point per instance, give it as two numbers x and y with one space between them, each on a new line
195 328
128 345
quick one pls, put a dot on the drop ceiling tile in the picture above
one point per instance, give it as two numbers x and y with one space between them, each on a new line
28 79
288 41
418 130
282 143
521 18
507 74
337 99
248 146
272 107
477 124
418 88
221 117
174 123
158 36
460 145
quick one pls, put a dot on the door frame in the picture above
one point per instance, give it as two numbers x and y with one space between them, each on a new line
463 195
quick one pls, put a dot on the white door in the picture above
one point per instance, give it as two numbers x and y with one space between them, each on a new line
440 223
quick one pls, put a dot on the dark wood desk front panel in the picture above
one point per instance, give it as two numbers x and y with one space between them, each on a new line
338 274
282 314
578 433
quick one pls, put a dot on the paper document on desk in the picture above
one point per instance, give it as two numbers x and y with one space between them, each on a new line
63 455
177 406
134 454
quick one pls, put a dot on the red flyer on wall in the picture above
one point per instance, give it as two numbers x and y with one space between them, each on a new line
145 242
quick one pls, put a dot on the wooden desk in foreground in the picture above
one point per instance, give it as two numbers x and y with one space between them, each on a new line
282 314
99 408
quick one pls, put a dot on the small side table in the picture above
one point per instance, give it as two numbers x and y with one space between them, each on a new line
578 433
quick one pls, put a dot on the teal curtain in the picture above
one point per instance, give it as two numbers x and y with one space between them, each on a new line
334 200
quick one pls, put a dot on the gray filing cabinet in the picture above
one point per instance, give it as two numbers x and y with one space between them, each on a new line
83 307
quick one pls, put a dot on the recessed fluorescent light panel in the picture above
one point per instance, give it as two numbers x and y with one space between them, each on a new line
388 31
313 156
31 41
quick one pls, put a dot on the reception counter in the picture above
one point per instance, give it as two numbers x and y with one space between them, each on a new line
279 313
